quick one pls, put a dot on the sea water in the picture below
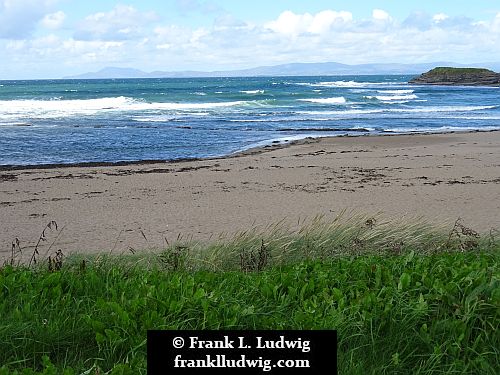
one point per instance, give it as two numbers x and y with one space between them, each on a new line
72 121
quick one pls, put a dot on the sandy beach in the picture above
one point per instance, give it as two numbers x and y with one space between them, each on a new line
438 177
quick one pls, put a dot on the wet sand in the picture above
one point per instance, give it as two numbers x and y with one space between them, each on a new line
99 208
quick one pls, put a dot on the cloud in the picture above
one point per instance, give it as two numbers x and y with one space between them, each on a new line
122 23
172 36
439 17
423 21
53 20
330 35
495 24
125 36
19 18
333 35
188 6
380 15
57 56
289 23
418 20
326 20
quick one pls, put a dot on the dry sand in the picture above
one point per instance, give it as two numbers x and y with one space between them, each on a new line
438 177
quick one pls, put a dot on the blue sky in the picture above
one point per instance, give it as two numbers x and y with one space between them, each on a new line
54 38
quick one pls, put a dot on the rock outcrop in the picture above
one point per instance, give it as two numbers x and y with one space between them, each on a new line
458 77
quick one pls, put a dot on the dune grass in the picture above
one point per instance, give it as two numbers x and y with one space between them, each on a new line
404 298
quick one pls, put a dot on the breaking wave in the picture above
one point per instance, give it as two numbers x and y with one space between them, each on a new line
64 108
222 115
392 97
337 100
347 84
395 92
465 108
251 92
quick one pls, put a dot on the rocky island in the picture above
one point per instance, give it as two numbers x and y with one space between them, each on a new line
458 77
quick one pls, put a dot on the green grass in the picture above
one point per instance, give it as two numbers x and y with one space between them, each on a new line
404 299
458 71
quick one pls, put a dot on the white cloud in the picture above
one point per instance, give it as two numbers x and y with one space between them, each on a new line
440 17
18 18
336 36
121 23
289 23
418 20
16 45
94 47
173 35
53 20
380 15
324 21
164 46
227 21
126 36
495 24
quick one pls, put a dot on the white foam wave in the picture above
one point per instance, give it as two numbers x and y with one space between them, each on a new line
359 91
336 100
475 117
395 92
154 119
348 84
450 109
403 101
183 106
63 108
336 113
251 92
363 128
14 123
396 102
442 109
285 140
178 116
392 97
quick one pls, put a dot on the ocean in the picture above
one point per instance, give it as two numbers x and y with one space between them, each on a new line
112 120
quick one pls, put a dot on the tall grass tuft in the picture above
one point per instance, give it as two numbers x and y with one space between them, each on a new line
279 244
405 298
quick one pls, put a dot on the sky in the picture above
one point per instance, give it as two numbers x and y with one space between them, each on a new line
57 38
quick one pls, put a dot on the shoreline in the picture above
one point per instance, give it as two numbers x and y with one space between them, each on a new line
437 178
250 151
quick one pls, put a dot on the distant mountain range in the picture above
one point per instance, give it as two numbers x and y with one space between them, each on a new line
294 69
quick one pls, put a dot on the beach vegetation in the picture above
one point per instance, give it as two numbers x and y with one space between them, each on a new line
458 71
405 298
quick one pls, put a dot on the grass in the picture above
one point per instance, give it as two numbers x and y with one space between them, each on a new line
458 71
404 299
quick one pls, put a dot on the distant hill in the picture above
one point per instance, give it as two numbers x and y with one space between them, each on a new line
293 69
110 72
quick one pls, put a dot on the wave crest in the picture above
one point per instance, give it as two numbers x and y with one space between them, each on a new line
347 84
251 92
336 100
392 97
63 108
